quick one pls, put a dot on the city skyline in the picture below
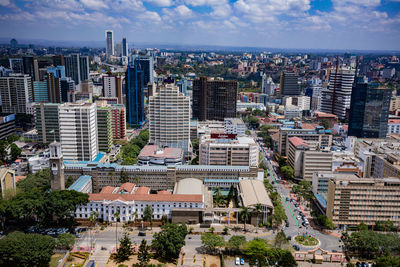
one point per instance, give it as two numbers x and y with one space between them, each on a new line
303 24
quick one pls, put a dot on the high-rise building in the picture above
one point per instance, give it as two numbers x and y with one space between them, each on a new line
124 47
28 64
118 50
78 131
138 74
337 97
214 99
268 86
58 72
104 130
289 84
67 85
58 60
118 121
36 70
16 93
17 65
369 110
169 117
112 87
54 87
47 122
40 91
77 67
109 43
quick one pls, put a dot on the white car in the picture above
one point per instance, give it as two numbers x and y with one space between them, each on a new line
237 261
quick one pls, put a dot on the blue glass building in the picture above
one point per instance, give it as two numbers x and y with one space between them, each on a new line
59 71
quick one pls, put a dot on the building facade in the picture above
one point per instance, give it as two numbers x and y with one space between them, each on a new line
214 99
289 84
78 131
77 67
109 43
112 87
47 122
118 121
104 127
16 93
169 117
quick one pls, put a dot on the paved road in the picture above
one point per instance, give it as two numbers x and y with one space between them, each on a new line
327 242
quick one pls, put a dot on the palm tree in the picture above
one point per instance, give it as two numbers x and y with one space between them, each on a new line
135 215
92 219
244 215
258 209
218 196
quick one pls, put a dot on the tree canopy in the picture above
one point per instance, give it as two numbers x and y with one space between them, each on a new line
211 241
169 241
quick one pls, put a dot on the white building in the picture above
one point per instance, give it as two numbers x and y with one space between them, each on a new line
16 93
131 201
302 102
219 149
109 43
268 86
169 117
292 112
393 126
336 98
78 131
235 126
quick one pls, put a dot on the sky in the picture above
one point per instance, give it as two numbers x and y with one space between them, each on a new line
301 24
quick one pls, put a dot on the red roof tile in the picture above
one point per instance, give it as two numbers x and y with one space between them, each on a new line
309 126
394 121
127 187
297 141
148 197
107 190
142 190
164 192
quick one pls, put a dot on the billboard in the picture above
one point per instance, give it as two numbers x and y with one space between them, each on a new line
223 136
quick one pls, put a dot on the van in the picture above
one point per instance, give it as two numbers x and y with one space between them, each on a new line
237 261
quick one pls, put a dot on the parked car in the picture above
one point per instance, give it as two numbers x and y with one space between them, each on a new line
296 247
142 234
241 261
237 261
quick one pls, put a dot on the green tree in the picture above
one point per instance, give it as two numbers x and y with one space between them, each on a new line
387 260
12 138
282 161
148 215
245 215
325 222
287 172
256 250
169 241
124 251
124 177
3 150
15 152
254 122
65 241
143 253
129 161
362 227
69 181
195 145
19 249
258 208
212 241
231 194
236 242
280 239
144 135
38 181
326 123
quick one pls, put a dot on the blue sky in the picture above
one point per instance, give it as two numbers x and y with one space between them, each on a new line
329 24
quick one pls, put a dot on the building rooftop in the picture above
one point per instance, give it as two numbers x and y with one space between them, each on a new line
253 192
297 141
189 186
157 152
80 182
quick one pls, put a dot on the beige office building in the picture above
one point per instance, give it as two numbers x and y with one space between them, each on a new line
306 158
218 149
352 200
169 117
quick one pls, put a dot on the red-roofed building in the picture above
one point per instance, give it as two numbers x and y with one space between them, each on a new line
332 118
184 205
155 155
393 126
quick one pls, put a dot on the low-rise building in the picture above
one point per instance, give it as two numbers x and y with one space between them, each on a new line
83 184
8 186
155 155
234 126
352 200
228 149
393 126
131 201
7 125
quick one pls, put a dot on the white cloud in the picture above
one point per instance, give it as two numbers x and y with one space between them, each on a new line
94 4
162 3
150 16
183 11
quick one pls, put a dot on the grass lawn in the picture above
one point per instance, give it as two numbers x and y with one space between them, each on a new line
55 259
307 240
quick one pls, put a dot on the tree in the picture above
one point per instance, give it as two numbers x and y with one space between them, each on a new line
15 151
280 239
38 181
325 222
287 172
169 241
12 138
225 231
65 241
195 145
212 241
244 215
362 227
383 225
236 242
231 194
254 122
3 150
164 219
124 250
19 249
285 258
326 124
69 181
148 215
256 250
143 253
124 177
282 161
387 260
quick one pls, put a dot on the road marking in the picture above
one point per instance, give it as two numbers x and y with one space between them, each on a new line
295 219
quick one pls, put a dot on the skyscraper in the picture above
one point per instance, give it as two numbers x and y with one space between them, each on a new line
17 65
54 87
289 85
214 99
67 85
104 130
77 67
124 47
58 72
16 93
58 60
112 87
337 97
138 74
78 131
268 86
28 64
109 43
369 110
169 117
47 122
